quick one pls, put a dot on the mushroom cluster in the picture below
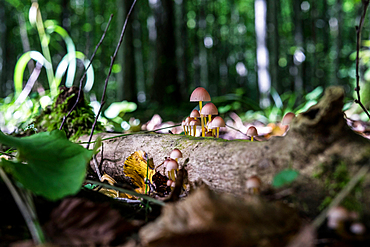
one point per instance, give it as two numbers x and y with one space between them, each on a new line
206 117
171 166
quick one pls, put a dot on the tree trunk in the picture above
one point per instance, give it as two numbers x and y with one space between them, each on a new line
165 89
318 139
126 89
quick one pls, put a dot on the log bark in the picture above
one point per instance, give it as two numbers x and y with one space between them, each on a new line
317 138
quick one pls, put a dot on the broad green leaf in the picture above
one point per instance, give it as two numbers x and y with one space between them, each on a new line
284 177
48 164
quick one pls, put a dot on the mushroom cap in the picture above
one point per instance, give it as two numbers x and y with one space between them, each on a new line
253 182
336 216
165 162
187 121
218 122
288 118
194 122
252 131
175 154
209 109
200 94
357 228
169 182
172 165
194 114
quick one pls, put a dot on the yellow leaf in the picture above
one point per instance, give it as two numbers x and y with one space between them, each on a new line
135 167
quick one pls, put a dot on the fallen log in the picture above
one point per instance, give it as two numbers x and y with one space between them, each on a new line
318 141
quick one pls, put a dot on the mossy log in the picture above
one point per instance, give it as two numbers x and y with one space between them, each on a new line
317 139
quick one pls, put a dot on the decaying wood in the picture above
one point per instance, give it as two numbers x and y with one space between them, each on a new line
317 137
206 218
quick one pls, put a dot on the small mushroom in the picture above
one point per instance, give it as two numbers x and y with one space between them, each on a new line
171 167
357 228
209 109
288 117
252 131
199 95
183 126
336 217
253 185
187 122
175 154
169 182
217 122
195 114
193 124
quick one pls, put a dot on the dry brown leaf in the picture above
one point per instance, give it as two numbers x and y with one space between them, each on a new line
209 219
77 222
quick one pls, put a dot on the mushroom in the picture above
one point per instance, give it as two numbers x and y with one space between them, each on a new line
252 131
171 167
209 109
169 182
217 122
288 117
175 154
187 121
183 126
199 95
336 217
357 228
195 114
253 185
194 124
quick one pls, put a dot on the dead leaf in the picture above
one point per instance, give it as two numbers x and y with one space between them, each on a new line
79 222
135 168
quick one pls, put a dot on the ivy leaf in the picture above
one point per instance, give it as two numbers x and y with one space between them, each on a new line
48 163
284 177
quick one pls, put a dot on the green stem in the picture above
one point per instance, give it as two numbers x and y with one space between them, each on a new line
26 210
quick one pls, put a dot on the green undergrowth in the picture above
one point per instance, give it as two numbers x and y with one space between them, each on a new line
77 124
335 178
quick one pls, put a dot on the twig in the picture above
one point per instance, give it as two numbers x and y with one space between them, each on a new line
140 132
130 192
113 58
344 192
29 217
358 32
84 75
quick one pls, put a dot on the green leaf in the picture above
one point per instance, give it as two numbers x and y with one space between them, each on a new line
48 164
284 177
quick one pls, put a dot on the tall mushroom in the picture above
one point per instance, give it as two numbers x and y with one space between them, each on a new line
209 109
199 95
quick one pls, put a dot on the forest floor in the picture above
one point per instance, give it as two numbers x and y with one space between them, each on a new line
192 216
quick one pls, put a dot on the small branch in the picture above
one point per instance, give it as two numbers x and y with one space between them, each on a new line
358 32
113 58
84 75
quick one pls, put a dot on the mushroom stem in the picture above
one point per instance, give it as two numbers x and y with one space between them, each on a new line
251 138
218 131
202 123
194 130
